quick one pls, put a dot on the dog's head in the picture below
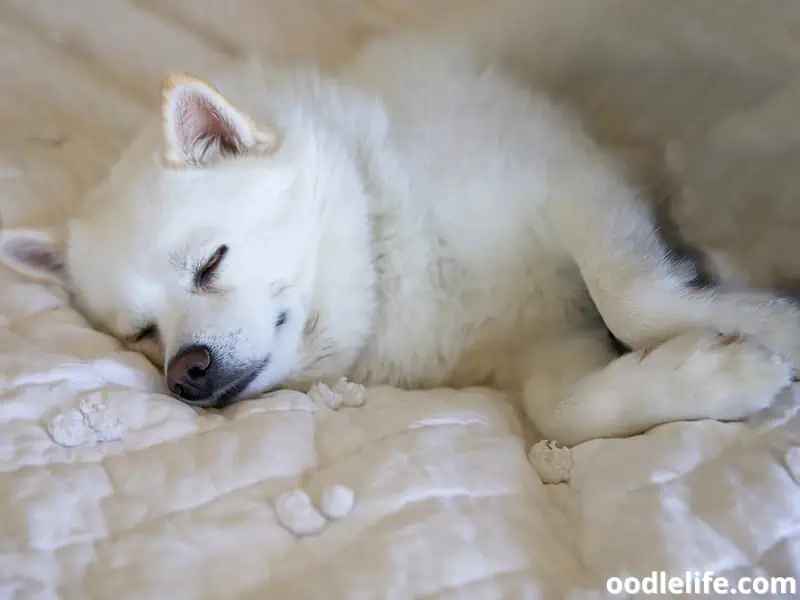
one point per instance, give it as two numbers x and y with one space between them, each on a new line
210 249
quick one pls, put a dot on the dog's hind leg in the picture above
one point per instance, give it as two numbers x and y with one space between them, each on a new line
574 389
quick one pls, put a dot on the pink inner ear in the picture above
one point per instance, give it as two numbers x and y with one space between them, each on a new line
36 255
203 130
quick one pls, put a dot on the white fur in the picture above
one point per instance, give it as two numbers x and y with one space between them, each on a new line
427 221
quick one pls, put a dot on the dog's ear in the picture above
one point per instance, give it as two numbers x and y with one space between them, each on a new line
201 126
36 253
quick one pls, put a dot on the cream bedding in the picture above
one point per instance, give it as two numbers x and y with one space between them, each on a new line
109 490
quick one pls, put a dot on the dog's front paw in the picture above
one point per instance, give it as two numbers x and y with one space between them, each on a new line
777 326
733 375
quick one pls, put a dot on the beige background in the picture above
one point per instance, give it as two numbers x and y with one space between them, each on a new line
710 89
181 508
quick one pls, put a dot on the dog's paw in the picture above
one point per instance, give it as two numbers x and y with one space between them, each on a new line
732 375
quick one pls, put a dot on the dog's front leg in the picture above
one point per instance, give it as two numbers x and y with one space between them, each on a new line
644 294
575 389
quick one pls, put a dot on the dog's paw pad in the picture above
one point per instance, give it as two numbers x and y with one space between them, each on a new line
338 501
296 513
552 462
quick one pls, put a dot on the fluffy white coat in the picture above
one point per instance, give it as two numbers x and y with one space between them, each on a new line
420 219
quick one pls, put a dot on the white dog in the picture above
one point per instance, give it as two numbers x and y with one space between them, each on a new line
419 220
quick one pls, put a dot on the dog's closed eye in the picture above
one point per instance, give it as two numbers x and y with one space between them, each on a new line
204 276
283 316
148 332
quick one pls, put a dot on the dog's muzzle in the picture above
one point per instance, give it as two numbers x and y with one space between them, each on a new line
195 376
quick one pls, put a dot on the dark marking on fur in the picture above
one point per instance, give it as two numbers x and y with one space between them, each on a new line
689 260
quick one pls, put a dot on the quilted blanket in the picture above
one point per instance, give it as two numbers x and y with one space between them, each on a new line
111 489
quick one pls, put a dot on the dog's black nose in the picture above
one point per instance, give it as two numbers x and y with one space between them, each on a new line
188 374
